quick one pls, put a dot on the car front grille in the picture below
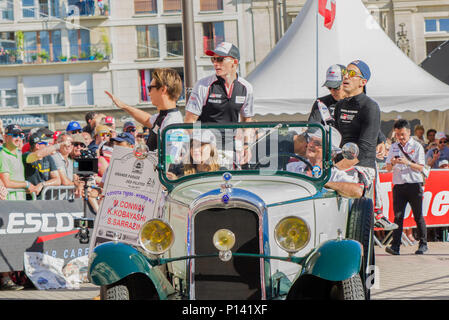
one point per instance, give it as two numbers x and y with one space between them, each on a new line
239 278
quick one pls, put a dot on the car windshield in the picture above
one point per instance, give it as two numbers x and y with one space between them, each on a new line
296 149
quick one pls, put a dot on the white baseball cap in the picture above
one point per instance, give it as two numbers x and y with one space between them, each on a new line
443 162
334 77
440 135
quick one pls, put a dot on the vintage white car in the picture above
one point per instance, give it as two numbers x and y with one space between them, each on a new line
236 224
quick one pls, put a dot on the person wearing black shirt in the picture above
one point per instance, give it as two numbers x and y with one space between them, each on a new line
357 116
165 89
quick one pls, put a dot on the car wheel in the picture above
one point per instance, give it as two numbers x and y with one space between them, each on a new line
360 228
349 289
114 292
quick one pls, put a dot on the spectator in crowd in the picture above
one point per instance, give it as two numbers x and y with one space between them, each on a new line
79 143
438 153
130 127
102 133
40 167
419 134
64 163
109 121
73 127
12 171
406 159
430 134
87 138
26 146
104 156
90 118
443 164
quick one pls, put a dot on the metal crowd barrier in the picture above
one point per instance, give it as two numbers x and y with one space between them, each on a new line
51 193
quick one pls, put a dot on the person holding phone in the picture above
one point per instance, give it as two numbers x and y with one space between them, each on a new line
406 160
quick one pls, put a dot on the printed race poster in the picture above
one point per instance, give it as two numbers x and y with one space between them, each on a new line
132 195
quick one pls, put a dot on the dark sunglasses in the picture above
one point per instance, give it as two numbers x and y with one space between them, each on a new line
131 130
338 88
79 144
152 86
217 59
76 131
442 141
17 135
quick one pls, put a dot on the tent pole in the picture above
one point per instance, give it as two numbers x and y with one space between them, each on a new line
316 52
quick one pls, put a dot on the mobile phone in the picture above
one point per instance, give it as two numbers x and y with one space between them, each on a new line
396 157
436 150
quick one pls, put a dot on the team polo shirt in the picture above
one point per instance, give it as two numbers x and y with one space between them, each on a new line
12 163
211 102
401 172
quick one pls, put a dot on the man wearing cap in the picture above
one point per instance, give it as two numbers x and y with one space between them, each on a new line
40 167
443 164
130 127
357 117
73 127
12 171
438 153
224 96
102 133
165 89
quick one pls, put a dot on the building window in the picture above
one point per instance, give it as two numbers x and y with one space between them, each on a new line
8 93
437 25
145 6
37 43
8 52
6 10
147 41
172 5
174 40
81 89
432 45
43 90
145 80
211 5
213 34
79 40
45 8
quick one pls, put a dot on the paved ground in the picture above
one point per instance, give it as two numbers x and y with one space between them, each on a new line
403 277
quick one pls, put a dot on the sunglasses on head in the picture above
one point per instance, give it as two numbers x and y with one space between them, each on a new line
351 73
79 144
76 131
17 135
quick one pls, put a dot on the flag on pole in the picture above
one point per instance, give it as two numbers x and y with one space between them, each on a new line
327 12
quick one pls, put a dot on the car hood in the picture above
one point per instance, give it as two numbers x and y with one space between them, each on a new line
270 189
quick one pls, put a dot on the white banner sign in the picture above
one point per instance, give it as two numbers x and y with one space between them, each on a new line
132 194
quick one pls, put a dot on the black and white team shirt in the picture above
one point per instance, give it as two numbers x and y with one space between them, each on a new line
211 102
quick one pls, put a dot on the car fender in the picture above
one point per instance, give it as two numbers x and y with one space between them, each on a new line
111 262
334 260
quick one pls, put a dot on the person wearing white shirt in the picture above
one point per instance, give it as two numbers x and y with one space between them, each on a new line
406 159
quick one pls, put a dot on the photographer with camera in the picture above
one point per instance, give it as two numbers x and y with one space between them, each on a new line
438 153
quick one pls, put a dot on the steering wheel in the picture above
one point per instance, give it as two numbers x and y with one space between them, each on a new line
286 154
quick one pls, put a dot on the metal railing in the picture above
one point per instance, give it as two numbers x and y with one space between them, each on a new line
48 193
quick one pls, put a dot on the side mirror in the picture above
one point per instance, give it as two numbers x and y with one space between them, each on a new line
350 151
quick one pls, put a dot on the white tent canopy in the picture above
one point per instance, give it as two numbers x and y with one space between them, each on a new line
285 81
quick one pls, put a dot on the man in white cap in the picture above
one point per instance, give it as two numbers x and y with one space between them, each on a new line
440 152
443 164
224 96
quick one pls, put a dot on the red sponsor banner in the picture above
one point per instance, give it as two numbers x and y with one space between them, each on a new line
435 200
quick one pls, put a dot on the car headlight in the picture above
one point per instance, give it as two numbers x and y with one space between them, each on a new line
292 234
156 236
224 239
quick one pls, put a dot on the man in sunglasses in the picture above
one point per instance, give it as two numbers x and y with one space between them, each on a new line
130 127
224 96
40 167
165 89
12 171
102 133
438 153
73 127
357 117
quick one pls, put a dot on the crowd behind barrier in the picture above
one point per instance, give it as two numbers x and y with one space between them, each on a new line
47 160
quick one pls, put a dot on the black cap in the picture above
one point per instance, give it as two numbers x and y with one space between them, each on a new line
13 128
